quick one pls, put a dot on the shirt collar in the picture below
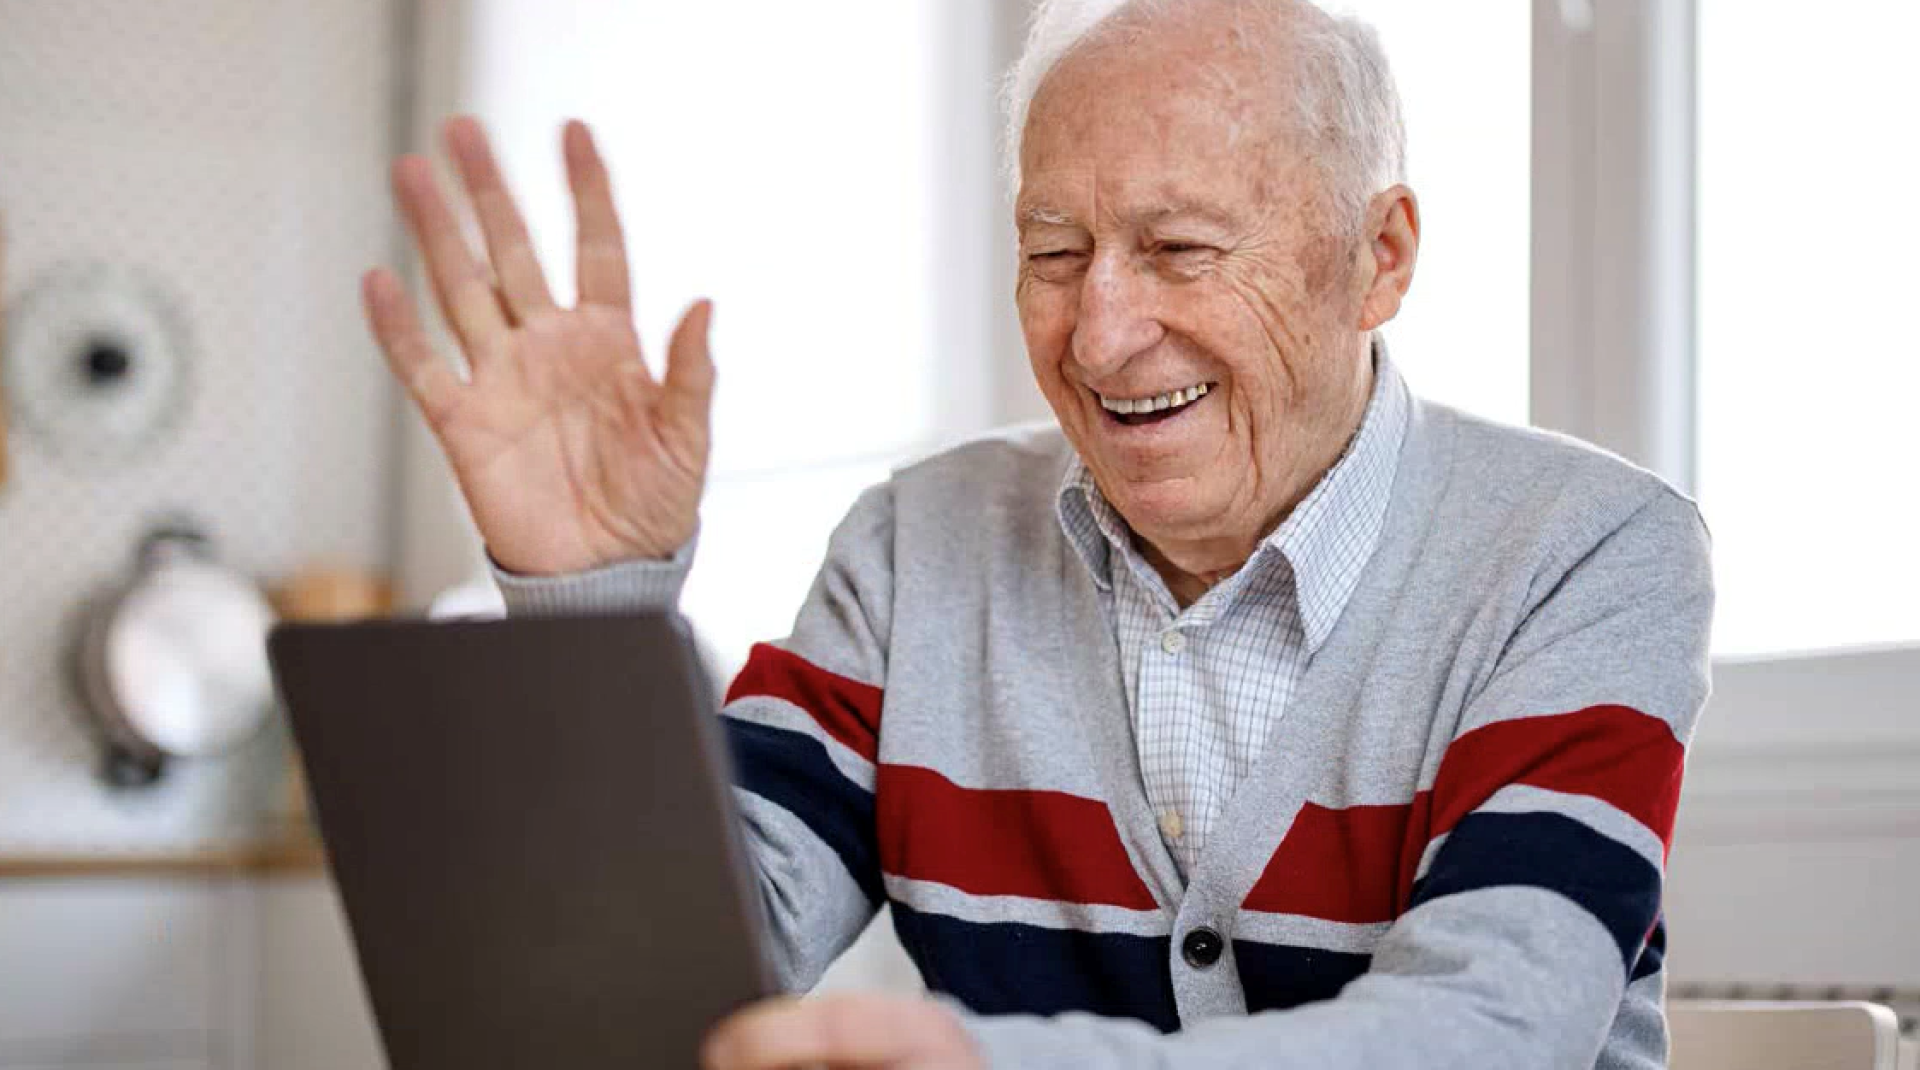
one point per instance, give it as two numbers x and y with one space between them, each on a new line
1328 537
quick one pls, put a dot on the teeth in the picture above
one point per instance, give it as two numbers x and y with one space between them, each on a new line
1173 399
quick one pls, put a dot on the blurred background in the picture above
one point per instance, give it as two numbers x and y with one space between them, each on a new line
1671 227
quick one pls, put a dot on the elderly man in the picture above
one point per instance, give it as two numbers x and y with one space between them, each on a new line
1261 713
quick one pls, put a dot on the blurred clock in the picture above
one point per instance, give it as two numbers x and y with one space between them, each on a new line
96 362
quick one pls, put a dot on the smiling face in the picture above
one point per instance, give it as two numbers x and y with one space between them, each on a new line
1194 314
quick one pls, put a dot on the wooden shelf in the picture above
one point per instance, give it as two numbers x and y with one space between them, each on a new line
295 853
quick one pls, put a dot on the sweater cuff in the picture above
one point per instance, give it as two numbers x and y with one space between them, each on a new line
620 587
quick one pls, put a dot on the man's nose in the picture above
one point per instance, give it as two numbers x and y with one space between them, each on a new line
1117 318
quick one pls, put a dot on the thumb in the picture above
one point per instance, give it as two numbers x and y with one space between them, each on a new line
689 379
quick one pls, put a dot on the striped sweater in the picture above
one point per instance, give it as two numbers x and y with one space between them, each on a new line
1450 854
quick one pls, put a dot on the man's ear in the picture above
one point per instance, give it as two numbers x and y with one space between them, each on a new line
1393 244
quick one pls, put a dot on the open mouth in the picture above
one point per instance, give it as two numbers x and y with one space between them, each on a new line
1135 412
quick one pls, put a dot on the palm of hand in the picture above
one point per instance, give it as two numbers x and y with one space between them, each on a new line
568 427
568 452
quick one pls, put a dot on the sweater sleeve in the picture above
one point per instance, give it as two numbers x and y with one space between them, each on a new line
623 585
1536 902
802 720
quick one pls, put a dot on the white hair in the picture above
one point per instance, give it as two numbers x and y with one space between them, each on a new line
1343 98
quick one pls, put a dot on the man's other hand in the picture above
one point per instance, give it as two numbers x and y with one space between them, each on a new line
842 1032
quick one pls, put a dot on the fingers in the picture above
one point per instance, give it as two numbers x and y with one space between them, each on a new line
688 382
396 326
845 1030
601 265
460 283
522 282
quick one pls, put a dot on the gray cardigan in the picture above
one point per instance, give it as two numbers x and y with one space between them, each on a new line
1451 855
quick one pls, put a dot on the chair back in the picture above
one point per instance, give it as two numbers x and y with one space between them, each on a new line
1752 1035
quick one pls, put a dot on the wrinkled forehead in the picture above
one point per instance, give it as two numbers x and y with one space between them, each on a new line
1135 161
1169 120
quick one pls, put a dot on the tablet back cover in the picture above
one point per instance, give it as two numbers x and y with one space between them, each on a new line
530 826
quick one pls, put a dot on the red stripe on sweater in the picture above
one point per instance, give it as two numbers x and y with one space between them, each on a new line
1039 844
1358 864
1340 865
1616 754
845 709
1414 844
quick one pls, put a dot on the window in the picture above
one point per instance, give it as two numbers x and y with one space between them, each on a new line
1747 363
786 160
1462 336
1807 377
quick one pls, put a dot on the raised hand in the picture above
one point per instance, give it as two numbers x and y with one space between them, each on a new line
568 452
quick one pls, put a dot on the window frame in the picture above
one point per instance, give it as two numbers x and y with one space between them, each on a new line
1613 228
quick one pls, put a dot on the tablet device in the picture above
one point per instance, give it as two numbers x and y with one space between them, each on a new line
530 825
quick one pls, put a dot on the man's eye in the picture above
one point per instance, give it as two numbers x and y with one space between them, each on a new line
1178 247
1056 254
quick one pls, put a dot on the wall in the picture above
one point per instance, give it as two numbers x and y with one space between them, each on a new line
146 975
1797 859
311 1010
230 155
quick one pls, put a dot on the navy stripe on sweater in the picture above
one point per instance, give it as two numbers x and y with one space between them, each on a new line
1608 879
1655 955
1280 977
1011 968
792 770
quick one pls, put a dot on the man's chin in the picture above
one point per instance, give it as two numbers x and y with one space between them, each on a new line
1175 505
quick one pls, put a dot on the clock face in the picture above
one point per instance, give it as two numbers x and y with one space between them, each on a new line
96 363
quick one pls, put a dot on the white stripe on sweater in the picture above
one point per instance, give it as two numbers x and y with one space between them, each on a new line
1296 930
930 897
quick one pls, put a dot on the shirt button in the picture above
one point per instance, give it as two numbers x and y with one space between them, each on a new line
1202 948
1172 641
1171 825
